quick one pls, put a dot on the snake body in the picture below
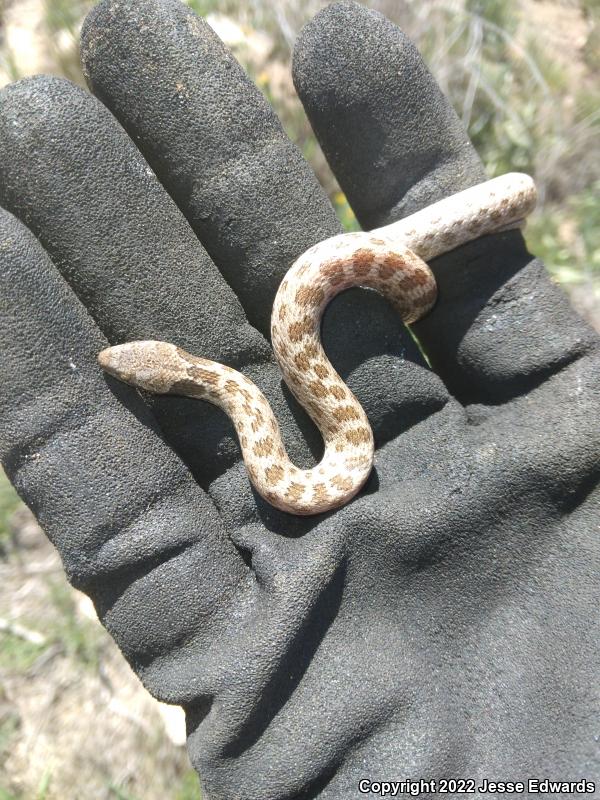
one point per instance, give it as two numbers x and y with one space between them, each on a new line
390 260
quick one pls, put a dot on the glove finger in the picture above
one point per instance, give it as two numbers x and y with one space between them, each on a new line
253 201
75 178
214 142
133 528
130 256
396 145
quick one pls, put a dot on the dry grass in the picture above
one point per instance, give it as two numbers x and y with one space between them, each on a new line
521 74
75 721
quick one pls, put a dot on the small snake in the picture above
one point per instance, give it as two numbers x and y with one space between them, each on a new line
390 260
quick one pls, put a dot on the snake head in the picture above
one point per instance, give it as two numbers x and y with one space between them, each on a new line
147 365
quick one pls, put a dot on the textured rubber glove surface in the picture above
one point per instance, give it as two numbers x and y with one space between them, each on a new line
444 624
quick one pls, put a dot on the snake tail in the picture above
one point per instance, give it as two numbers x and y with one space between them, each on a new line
390 260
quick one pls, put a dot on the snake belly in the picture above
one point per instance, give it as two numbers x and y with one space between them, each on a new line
390 260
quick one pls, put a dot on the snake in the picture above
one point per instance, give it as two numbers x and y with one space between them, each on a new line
391 260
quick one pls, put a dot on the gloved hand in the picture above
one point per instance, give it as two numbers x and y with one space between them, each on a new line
444 623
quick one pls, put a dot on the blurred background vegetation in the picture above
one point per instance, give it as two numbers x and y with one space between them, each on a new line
523 77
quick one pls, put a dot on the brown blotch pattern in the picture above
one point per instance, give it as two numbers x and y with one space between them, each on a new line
358 436
362 262
318 389
295 491
274 474
391 264
264 447
334 271
302 361
310 296
338 392
357 462
204 375
346 413
299 329
320 492
231 387
405 281
341 483
419 277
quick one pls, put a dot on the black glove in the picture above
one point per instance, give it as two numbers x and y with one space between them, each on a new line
444 623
